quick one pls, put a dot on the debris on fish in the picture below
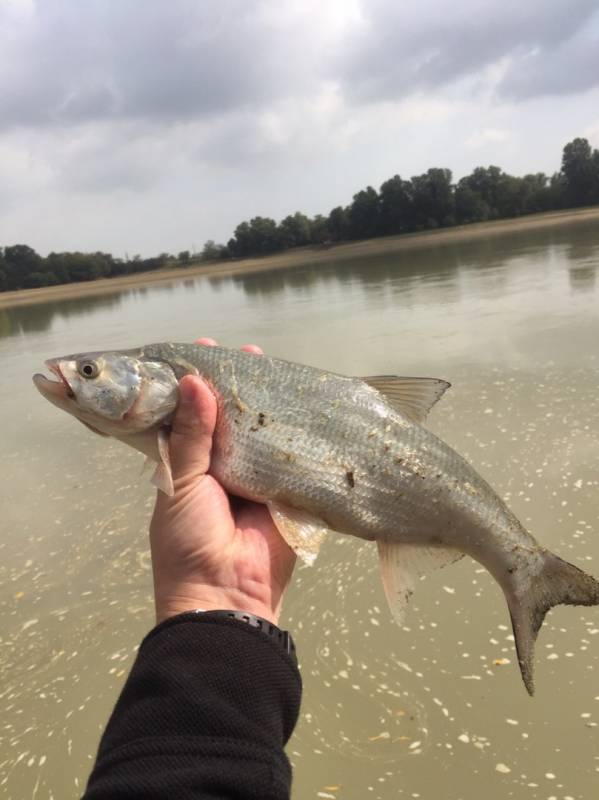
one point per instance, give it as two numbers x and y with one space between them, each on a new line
329 454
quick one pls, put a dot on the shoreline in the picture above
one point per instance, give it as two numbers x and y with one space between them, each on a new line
313 254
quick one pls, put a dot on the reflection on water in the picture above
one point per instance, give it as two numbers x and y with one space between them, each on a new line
40 317
583 278
512 322
439 264
36 318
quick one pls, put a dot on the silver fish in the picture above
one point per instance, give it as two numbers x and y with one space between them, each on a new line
329 454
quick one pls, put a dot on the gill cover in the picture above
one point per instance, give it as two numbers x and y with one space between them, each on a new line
106 385
117 393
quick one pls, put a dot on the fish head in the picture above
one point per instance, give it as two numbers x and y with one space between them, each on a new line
114 393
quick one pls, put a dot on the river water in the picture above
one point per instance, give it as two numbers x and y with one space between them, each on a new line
433 710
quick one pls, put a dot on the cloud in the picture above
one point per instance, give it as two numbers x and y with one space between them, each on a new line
398 49
150 125
109 158
68 62
591 132
568 67
482 138
23 170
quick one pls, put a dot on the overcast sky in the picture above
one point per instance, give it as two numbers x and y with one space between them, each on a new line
141 126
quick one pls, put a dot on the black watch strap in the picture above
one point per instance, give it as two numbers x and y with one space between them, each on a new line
269 628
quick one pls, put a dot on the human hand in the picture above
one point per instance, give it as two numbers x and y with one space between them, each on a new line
210 550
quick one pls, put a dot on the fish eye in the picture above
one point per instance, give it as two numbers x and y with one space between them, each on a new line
88 369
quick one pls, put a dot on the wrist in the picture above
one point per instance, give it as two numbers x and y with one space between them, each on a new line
282 638
212 599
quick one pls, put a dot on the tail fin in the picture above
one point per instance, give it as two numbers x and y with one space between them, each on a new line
557 583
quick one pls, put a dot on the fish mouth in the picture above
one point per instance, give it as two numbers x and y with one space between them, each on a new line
59 389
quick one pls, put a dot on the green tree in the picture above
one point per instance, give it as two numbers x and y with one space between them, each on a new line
295 231
119 267
556 192
57 263
469 204
184 258
259 236
210 251
595 191
535 193
213 251
485 181
364 214
511 201
338 224
396 206
319 229
75 267
242 243
432 196
3 273
20 260
22 256
579 171
264 236
81 267
37 279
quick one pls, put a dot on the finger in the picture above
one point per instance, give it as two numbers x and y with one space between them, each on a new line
192 429
253 348
248 348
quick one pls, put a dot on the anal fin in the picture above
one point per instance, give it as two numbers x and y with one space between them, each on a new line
403 564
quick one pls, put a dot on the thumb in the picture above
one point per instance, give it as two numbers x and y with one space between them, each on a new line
192 428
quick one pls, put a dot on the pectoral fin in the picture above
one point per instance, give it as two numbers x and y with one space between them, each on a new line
412 397
92 429
153 443
162 478
403 564
303 532
149 464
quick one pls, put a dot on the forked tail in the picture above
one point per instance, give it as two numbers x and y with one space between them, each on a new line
557 583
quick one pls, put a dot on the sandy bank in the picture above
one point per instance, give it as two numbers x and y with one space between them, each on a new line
304 255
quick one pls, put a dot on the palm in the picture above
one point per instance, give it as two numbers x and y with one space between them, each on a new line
237 542
220 551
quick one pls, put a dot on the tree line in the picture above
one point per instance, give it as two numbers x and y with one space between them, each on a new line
429 201
423 202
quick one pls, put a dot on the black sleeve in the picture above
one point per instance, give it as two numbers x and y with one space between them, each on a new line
205 713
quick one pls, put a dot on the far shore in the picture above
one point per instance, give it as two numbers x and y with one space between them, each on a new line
299 256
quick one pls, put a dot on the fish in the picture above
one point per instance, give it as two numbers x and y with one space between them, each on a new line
329 454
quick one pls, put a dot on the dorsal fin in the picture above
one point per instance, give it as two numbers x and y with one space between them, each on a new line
412 397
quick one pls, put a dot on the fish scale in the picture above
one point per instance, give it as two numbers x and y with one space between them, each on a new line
404 478
329 454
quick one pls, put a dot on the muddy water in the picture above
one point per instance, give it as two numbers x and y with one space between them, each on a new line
434 710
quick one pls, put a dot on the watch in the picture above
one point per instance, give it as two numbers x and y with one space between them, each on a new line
269 628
